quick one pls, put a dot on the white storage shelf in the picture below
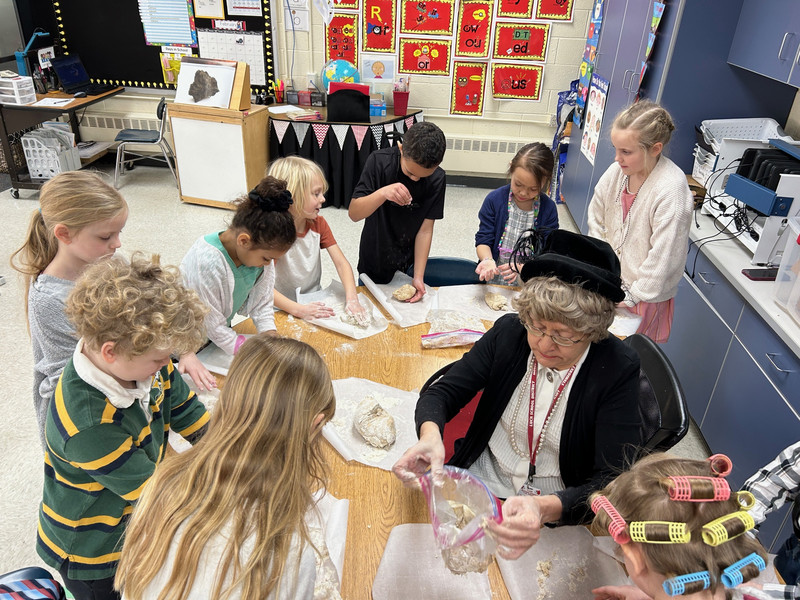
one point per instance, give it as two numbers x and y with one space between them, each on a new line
45 163
17 90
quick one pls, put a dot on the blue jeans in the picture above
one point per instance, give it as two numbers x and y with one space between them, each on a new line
787 561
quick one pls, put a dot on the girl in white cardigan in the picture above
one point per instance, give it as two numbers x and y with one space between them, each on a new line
642 206
233 270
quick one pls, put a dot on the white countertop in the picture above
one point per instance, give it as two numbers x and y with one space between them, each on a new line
730 257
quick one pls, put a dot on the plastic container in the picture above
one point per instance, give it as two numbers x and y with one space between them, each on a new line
45 163
714 130
17 90
787 283
400 103
304 98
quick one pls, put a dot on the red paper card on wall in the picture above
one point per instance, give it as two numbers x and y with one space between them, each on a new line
555 10
521 82
521 41
379 19
515 9
345 3
427 17
428 57
474 28
467 94
340 38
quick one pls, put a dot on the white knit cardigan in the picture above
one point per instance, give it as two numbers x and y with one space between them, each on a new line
653 251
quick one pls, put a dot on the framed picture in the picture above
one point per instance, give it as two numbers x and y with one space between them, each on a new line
378 67
205 82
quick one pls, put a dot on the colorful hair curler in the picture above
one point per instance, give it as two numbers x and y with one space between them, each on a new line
746 500
681 489
721 465
715 533
678 532
732 576
617 527
675 586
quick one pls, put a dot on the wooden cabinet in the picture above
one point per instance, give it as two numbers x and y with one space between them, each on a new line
220 153
767 39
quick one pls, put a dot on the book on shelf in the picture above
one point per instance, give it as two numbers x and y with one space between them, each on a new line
304 114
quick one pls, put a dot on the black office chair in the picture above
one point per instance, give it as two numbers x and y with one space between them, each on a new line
144 136
665 413
448 270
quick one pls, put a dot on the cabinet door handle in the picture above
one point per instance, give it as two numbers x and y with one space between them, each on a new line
706 281
783 43
634 77
769 356
624 75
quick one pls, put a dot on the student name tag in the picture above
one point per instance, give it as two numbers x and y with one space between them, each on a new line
528 489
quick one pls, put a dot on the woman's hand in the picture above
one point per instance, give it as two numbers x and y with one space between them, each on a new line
354 309
509 275
427 452
522 520
419 285
314 310
202 377
487 269
619 592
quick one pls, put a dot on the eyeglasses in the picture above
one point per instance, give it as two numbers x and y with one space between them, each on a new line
559 340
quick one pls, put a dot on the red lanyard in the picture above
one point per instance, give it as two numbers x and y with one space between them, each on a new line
534 450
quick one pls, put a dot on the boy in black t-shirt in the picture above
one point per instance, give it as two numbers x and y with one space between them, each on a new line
400 194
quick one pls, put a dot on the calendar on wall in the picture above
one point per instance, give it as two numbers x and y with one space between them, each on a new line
246 46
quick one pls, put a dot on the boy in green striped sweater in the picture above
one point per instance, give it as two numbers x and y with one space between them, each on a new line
117 399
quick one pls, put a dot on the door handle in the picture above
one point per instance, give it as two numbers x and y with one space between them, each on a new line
706 281
624 75
783 43
769 356
635 77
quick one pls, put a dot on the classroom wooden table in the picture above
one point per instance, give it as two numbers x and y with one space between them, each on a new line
378 501
16 119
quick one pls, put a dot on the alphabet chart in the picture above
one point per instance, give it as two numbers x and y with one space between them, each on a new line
521 82
340 38
427 18
521 41
247 46
427 57
556 10
474 28
515 9
379 18
467 94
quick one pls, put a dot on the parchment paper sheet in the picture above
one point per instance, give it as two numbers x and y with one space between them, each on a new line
405 314
334 297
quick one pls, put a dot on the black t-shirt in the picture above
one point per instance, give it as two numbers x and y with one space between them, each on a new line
387 240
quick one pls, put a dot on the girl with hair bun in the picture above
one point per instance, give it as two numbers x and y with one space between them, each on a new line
642 206
233 270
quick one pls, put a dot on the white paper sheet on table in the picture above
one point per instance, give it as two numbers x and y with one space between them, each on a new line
342 435
469 299
334 297
412 567
333 513
625 323
576 567
405 314
215 359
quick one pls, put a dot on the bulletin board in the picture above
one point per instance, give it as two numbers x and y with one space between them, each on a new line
109 38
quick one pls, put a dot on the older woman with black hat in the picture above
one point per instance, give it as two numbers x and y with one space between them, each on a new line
559 413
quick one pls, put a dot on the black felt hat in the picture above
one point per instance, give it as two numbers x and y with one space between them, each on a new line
578 259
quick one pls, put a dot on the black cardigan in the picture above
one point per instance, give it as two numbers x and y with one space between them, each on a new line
602 423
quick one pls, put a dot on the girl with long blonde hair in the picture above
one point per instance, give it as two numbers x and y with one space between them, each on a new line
238 507
78 221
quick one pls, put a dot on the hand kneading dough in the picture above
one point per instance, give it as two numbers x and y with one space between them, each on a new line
374 424
496 301
404 292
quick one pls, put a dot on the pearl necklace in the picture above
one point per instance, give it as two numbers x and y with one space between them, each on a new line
626 224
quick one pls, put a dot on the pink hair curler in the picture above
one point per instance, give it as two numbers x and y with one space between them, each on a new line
682 489
617 527
721 465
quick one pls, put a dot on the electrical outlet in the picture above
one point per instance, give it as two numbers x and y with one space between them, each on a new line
311 81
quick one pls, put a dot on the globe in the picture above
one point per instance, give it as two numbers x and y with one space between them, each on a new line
339 70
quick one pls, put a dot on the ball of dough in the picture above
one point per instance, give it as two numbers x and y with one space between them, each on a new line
374 423
404 293
496 301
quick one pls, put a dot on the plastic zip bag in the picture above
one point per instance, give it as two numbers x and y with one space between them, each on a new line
451 328
459 510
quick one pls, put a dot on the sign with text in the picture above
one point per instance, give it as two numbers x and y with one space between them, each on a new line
467 93
379 28
345 4
520 82
473 29
340 38
427 57
427 17
521 41
515 9
554 10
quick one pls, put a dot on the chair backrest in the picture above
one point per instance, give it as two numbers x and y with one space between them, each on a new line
449 270
161 113
662 402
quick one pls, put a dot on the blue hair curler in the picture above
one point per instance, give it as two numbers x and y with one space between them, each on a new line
732 576
675 586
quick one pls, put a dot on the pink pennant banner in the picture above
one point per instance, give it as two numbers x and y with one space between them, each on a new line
321 131
389 128
340 131
409 122
280 128
377 133
359 131
300 130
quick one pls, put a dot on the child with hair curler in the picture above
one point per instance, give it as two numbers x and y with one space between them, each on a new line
301 266
681 531
79 221
226 519
233 270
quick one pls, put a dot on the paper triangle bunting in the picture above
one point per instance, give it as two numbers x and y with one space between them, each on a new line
300 130
321 131
280 128
409 122
377 133
359 131
340 131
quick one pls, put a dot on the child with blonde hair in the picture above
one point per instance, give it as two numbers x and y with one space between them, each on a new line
642 206
301 267
234 516
79 220
117 399
233 270
681 529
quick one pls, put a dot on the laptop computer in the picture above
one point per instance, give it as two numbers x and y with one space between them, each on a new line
74 78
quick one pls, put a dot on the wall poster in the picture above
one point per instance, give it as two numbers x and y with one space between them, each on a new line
428 18
515 9
427 57
521 41
474 28
595 107
519 82
346 4
554 10
467 92
379 28
340 38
